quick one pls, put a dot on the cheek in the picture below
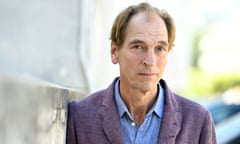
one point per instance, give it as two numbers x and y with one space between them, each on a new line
129 62
163 61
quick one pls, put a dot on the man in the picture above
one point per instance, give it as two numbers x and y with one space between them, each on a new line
138 107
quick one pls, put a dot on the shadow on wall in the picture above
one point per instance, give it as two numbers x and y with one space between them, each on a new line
32 111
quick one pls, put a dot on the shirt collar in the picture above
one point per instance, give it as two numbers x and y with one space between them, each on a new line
156 109
122 108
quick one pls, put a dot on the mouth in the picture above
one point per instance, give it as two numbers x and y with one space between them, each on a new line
147 74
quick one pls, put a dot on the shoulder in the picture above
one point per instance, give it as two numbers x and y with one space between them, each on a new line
194 120
93 101
193 113
87 102
198 119
180 103
189 110
189 105
84 112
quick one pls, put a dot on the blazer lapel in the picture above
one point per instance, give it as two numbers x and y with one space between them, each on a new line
170 127
171 122
110 118
111 126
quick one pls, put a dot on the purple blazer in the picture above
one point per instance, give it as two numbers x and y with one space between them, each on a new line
95 120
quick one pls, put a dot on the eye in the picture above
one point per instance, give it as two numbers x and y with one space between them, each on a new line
137 47
161 48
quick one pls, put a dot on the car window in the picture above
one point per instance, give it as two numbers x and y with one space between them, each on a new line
222 112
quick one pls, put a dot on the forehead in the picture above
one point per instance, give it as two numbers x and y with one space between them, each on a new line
143 24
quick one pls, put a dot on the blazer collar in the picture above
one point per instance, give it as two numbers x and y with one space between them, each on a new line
171 121
110 118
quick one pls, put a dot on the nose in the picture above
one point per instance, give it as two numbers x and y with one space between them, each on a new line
149 58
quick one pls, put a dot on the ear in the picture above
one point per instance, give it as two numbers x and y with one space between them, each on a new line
114 51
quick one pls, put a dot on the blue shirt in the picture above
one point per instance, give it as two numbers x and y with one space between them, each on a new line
147 132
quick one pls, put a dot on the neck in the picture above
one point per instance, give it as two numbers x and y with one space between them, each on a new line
139 103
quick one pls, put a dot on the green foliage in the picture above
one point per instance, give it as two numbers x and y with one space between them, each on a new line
224 82
206 84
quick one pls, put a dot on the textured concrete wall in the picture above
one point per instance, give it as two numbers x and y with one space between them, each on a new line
42 38
33 112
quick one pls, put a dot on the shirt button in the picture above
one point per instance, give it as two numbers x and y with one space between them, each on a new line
133 124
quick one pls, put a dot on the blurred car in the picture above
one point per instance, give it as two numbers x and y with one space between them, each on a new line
222 111
226 116
228 131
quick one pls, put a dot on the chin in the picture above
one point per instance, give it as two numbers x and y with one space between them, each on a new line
147 87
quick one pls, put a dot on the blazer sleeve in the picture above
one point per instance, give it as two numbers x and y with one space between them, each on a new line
70 131
208 135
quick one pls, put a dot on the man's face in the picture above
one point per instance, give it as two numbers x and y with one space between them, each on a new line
143 56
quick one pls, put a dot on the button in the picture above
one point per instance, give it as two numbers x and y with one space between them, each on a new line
133 124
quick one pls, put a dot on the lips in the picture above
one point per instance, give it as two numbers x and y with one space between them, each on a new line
147 74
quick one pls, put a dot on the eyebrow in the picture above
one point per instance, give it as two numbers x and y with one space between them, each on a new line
135 41
164 43
140 41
